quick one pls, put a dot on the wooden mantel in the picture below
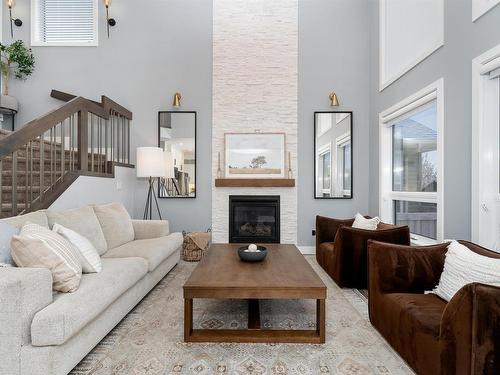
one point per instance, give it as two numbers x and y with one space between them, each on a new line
254 182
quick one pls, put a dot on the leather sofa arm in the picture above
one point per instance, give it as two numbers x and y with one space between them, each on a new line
470 327
400 268
350 252
356 237
146 229
326 228
23 292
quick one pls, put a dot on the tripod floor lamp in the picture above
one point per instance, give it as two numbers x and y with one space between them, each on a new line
150 165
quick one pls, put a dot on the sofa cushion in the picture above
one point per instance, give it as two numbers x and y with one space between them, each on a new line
39 247
116 224
69 313
37 217
413 325
83 221
87 253
153 250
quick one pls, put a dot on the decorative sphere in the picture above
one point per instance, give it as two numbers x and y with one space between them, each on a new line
252 247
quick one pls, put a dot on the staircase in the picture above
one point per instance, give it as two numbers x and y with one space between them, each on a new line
42 159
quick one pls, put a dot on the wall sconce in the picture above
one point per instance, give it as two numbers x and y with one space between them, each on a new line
334 101
17 21
177 100
109 21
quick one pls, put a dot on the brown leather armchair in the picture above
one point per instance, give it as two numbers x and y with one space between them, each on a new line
342 250
461 337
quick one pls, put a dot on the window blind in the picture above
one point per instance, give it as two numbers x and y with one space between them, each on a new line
65 22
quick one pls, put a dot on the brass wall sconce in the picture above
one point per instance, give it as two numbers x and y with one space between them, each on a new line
334 101
109 21
177 100
17 21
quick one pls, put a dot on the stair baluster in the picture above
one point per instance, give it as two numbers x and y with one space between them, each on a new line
41 159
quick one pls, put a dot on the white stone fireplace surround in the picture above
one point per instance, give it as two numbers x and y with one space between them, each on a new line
255 78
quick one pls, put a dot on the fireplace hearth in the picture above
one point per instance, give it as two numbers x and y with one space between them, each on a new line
254 219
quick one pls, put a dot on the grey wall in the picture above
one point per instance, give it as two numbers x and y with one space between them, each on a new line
156 49
104 190
334 55
166 46
464 41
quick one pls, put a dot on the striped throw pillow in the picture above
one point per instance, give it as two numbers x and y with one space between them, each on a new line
88 255
462 266
39 247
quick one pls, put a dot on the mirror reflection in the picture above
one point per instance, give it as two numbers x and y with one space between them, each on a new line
333 155
177 138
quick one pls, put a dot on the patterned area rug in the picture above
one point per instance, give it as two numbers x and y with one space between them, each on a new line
150 339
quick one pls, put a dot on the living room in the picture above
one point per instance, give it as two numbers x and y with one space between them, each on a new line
355 143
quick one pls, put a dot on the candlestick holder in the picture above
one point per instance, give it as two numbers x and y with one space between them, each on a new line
219 171
290 172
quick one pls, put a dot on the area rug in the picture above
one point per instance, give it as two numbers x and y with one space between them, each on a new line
149 340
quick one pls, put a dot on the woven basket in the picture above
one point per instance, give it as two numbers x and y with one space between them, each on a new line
191 252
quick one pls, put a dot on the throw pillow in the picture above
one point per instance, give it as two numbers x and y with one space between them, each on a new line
83 221
39 247
462 266
116 224
6 233
87 253
361 222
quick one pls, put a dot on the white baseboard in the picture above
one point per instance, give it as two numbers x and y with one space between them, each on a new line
307 250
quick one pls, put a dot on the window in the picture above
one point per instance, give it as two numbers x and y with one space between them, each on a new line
64 23
343 164
411 164
486 149
414 150
326 172
421 217
347 170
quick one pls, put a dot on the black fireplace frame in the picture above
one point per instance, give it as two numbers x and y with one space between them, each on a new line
265 200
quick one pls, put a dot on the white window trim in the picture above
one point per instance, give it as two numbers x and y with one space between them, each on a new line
340 142
323 150
37 43
341 116
481 65
385 81
435 91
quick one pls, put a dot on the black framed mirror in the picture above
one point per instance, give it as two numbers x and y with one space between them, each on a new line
177 139
333 155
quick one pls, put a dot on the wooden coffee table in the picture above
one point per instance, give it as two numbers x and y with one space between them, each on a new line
284 274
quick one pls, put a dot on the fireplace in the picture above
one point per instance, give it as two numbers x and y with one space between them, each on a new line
254 219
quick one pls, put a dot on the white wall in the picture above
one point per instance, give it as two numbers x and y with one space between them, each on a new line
255 73
410 31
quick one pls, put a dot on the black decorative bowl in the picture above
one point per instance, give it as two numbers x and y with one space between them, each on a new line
252 256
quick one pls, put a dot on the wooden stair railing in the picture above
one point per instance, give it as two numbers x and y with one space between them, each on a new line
39 161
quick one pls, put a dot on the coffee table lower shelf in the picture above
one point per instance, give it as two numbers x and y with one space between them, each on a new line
254 333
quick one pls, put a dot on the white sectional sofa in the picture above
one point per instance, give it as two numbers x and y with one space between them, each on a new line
42 332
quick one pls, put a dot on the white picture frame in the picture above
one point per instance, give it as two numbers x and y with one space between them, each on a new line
254 155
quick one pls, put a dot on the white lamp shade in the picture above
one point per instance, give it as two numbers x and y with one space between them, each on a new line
150 162
169 165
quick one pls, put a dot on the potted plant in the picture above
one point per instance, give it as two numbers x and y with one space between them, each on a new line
18 60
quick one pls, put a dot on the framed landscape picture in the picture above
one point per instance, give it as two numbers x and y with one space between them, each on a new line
255 155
